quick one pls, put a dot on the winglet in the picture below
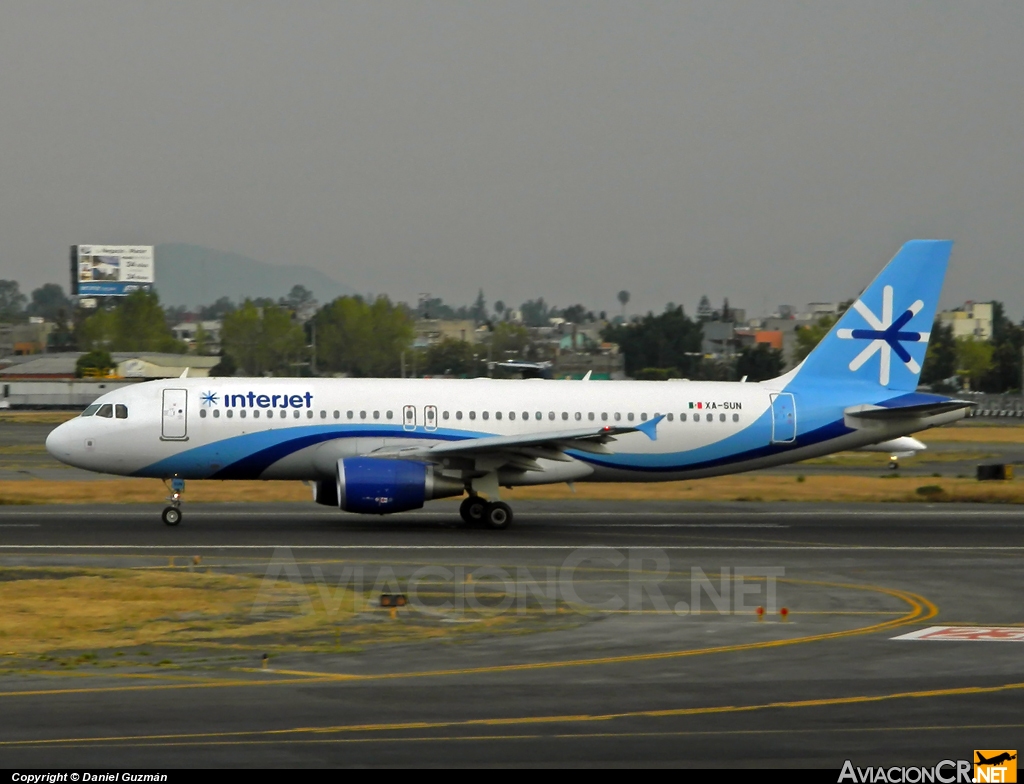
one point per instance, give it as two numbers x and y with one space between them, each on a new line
649 428
184 373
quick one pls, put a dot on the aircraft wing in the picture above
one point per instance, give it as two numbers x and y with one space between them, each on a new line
522 451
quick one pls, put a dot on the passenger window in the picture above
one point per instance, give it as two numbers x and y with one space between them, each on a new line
735 417
376 414
216 413
241 414
682 417
121 411
350 414
629 416
106 410
91 410
458 415
202 413
323 414
618 416
256 414
643 417
444 415
565 415
362 415
337 415
511 414
497 415
668 417
472 414
710 417
309 413
526 415
721 417
538 416
579 416
270 415
485 415
390 414
230 413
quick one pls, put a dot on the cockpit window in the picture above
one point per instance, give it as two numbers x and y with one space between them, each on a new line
106 410
121 411
91 410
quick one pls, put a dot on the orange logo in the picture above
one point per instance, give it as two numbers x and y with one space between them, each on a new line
995 765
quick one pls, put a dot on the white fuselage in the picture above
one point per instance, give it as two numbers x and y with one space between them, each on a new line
291 428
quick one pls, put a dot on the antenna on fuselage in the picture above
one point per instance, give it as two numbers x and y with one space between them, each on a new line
184 373
587 377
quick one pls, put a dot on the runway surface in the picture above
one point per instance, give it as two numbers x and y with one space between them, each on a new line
587 634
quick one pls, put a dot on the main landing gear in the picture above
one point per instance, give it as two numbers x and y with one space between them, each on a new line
478 512
172 514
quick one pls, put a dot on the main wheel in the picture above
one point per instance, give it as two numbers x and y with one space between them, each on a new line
498 515
171 515
472 510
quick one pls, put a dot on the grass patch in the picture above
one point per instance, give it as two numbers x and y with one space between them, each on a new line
37 417
92 615
976 434
771 487
881 459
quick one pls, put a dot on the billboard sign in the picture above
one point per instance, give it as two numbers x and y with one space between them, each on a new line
111 270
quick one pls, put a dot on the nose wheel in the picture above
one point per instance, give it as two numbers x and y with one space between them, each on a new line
172 514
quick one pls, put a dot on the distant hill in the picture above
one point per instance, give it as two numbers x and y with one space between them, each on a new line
193 275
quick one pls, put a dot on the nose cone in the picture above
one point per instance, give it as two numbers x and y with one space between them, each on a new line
58 443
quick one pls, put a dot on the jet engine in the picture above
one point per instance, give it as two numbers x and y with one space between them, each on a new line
377 485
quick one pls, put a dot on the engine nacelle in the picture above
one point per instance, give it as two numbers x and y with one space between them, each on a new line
325 491
377 485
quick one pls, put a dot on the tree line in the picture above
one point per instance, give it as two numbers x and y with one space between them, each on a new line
369 337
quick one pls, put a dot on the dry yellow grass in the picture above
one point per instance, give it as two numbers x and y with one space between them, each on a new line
741 487
37 417
142 491
92 610
763 487
122 608
974 434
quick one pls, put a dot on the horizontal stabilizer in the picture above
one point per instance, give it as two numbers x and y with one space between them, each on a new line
917 411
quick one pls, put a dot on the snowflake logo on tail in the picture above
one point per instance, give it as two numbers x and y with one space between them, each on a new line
208 398
886 336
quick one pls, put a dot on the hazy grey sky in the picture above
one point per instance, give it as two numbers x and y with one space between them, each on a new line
768 152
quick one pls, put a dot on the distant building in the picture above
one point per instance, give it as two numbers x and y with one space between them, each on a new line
432 331
139 366
187 331
973 320
23 339
718 339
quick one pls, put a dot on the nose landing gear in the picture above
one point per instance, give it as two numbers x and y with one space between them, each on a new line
172 514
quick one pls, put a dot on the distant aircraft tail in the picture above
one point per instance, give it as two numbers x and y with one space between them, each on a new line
882 338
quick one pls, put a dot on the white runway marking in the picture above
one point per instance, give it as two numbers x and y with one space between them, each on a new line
486 547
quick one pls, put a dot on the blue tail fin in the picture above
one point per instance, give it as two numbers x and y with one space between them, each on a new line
883 337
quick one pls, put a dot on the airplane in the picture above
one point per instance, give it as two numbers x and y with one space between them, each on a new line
382 445
996 760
